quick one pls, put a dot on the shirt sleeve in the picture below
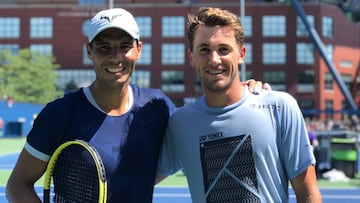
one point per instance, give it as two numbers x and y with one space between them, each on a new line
49 129
168 161
297 154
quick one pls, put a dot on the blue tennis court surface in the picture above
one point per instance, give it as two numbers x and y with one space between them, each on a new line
161 195
182 195
7 161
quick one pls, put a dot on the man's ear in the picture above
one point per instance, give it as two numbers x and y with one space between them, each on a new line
190 58
242 54
139 48
88 50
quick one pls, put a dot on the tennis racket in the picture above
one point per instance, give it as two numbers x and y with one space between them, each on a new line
77 173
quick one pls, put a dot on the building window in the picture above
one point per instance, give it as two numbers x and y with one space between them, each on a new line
172 81
141 78
274 26
301 30
329 51
307 106
276 79
329 107
346 64
145 58
347 80
14 48
85 27
328 81
304 53
72 79
345 106
41 27
247 25
173 54
41 48
145 26
173 26
248 54
249 74
305 82
9 27
85 57
274 53
91 2
306 103
329 104
327 27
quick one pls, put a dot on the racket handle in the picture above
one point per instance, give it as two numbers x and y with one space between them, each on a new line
46 196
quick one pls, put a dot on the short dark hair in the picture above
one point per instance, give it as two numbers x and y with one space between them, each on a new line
210 16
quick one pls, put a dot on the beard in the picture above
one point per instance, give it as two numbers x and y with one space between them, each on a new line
217 86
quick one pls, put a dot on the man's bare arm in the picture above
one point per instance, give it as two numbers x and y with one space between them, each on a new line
20 186
306 188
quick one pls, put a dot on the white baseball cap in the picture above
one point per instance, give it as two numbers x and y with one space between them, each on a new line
113 18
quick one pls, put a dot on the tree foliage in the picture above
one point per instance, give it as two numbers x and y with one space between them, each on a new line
28 76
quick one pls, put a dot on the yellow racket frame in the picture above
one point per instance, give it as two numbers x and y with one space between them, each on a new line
98 162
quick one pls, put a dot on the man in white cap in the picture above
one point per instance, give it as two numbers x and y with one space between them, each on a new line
125 123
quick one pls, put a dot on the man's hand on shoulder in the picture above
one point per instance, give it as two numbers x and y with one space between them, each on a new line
256 87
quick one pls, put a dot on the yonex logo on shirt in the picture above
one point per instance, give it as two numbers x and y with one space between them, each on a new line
209 137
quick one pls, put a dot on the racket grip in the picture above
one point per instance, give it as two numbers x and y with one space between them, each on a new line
46 196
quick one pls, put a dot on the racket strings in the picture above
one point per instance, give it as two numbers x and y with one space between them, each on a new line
75 177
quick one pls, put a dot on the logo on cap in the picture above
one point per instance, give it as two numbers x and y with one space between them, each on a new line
108 17
113 18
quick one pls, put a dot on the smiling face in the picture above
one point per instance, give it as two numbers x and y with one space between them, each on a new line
114 54
216 56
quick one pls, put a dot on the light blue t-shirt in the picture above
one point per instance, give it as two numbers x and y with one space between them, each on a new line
245 152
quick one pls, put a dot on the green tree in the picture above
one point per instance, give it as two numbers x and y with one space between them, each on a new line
28 76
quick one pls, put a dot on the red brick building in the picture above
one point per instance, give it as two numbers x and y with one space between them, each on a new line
279 49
